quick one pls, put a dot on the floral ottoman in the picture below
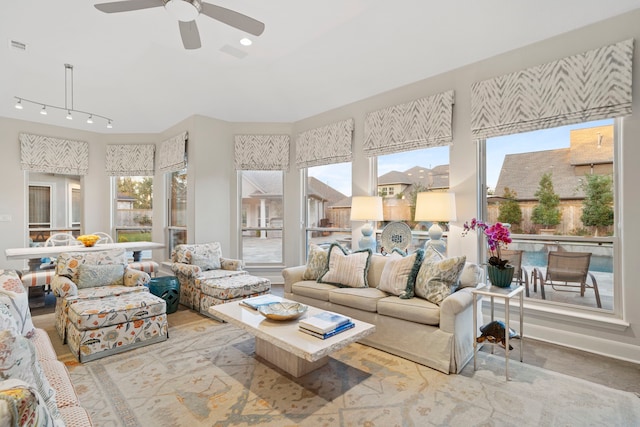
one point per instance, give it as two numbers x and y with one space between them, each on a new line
226 289
101 327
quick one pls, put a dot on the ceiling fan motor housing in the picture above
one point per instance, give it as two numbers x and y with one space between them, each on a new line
183 10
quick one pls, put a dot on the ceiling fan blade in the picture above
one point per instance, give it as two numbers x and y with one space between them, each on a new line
234 19
190 34
127 6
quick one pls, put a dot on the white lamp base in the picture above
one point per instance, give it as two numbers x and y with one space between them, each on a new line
435 241
367 241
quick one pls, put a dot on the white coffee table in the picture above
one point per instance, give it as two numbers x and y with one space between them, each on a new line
282 344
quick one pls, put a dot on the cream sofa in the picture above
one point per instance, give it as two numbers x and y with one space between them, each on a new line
438 336
35 388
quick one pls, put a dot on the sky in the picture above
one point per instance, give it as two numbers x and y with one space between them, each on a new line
338 175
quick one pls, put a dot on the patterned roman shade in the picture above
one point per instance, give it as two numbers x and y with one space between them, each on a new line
130 160
423 123
262 152
325 145
590 86
173 155
53 155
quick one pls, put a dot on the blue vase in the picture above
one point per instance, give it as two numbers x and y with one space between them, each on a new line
500 277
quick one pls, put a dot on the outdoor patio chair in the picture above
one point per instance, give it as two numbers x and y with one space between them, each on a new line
520 275
567 270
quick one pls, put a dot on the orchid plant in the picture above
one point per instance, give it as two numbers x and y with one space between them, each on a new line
498 237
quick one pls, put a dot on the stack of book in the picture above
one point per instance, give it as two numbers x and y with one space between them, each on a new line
325 324
261 300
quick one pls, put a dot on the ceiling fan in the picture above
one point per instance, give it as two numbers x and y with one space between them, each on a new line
186 11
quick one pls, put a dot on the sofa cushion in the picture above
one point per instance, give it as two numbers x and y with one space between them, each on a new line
240 285
416 310
22 405
313 289
15 298
399 273
471 275
19 361
316 262
438 277
92 275
69 262
365 299
346 270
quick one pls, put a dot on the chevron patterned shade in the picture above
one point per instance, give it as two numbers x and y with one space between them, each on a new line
130 160
325 145
52 155
590 86
173 155
423 123
262 152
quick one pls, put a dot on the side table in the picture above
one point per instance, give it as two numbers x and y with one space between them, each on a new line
167 288
507 294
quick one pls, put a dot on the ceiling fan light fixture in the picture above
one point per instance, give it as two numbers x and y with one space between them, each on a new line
183 10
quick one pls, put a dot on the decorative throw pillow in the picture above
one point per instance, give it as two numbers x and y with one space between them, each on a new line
399 273
438 277
22 405
90 276
346 270
471 275
204 262
15 298
185 253
19 361
316 262
69 262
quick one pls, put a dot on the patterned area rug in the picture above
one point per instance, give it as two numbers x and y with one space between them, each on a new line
206 375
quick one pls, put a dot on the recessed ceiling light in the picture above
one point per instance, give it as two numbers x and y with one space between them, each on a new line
245 42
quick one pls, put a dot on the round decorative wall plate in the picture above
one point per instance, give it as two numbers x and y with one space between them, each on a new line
395 235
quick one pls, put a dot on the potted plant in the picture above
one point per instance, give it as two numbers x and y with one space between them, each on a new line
498 236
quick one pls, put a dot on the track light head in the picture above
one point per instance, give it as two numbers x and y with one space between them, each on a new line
19 104
90 120
69 116
109 125
44 110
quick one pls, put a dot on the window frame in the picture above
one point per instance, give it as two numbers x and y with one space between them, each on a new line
173 232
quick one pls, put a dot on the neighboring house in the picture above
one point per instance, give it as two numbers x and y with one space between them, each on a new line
401 184
590 152
320 198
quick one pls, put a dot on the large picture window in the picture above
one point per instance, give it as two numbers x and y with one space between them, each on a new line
133 209
556 189
262 216
177 221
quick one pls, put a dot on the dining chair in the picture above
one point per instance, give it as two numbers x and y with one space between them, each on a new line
104 237
567 270
520 274
62 239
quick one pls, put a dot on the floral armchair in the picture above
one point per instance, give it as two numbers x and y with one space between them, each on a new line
196 262
92 275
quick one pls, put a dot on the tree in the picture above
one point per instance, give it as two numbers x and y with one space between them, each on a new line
510 211
547 211
597 206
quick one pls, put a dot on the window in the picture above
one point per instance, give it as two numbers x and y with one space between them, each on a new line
133 209
328 204
401 176
39 212
556 189
177 229
262 216
76 205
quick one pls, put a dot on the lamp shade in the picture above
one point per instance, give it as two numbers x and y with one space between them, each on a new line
366 208
435 207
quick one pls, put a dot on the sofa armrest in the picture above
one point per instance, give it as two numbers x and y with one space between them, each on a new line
231 264
133 277
457 304
62 287
185 270
292 275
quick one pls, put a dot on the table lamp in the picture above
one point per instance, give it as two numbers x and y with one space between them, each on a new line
366 208
436 207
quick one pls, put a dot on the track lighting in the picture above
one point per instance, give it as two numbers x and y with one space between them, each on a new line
68 101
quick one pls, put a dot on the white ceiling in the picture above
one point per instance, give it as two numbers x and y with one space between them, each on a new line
313 55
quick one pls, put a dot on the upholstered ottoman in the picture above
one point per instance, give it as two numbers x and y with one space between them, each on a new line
226 289
101 327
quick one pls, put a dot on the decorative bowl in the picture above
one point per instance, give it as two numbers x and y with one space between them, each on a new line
88 239
283 310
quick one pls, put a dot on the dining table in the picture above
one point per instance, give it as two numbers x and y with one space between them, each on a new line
52 251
